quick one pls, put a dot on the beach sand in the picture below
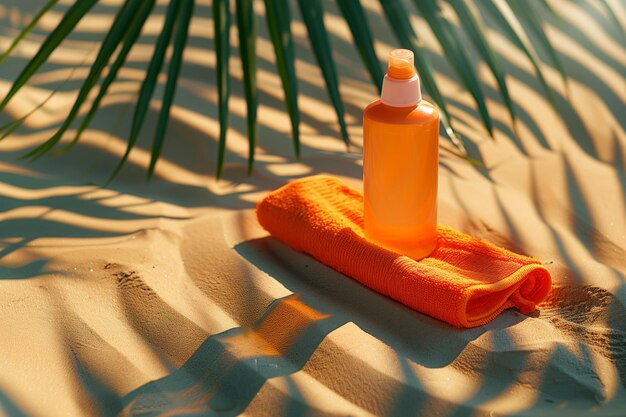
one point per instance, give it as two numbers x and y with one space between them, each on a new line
167 298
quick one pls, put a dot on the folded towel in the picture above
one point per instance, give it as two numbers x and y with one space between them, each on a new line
465 281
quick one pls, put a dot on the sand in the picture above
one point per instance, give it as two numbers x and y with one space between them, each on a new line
167 298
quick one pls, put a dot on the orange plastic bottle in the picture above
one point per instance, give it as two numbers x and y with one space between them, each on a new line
400 160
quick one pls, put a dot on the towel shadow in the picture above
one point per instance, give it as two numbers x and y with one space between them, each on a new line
229 369
396 325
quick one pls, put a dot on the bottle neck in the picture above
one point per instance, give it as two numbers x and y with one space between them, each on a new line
401 93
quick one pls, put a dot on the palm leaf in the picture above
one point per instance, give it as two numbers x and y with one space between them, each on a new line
221 20
525 11
69 21
474 29
613 18
134 30
108 47
13 125
278 20
28 28
553 13
9 128
246 28
313 16
491 9
180 40
456 56
397 16
132 16
147 87
354 14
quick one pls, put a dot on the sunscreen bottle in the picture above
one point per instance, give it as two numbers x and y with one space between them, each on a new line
400 160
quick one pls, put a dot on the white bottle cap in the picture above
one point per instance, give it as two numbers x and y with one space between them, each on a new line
401 86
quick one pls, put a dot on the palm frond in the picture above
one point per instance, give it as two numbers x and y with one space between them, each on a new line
108 47
147 87
521 21
28 28
221 24
357 21
397 16
246 28
475 31
10 127
525 11
130 37
491 9
613 18
69 21
313 16
278 21
456 55
185 11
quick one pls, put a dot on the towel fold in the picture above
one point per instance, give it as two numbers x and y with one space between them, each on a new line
465 281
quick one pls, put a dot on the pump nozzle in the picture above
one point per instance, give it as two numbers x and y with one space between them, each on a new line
400 64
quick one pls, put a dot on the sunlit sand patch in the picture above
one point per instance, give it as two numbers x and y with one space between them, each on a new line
289 169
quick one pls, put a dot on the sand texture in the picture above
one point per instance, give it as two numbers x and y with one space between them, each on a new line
166 298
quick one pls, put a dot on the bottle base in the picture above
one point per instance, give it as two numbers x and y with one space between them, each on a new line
413 251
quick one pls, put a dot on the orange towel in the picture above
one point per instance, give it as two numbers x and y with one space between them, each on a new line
465 281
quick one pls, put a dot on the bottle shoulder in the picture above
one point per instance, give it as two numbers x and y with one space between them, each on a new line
423 113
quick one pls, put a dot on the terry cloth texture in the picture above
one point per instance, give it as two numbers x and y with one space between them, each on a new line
466 282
